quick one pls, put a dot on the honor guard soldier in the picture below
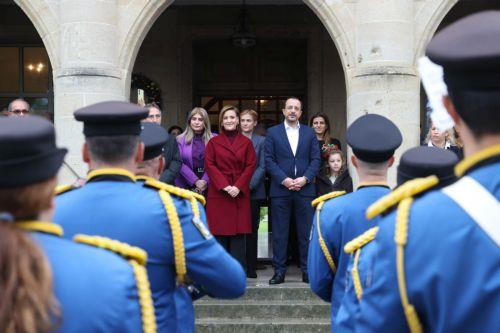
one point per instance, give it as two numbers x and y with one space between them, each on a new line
420 169
338 219
148 172
49 283
166 222
437 259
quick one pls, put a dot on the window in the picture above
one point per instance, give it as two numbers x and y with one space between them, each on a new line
269 108
26 73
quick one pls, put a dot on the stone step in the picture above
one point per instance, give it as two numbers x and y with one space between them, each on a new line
274 325
268 293
262 309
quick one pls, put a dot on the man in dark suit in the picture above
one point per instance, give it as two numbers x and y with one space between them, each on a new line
173 161
292 159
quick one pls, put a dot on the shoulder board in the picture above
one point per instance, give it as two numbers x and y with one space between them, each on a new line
64 188
409 189
361 240
125 250
180 192
326 197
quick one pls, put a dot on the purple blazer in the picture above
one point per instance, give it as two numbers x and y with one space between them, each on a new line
187 177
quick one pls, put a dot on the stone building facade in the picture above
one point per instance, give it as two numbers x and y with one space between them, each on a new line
360 55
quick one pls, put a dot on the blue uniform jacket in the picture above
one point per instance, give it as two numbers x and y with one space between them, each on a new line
96 289
120 209
452 268
348 312
342 219
281 163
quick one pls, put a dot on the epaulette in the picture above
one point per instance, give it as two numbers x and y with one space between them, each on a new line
180 192
408 190
64 188
137 258
361 240
125 250
326 197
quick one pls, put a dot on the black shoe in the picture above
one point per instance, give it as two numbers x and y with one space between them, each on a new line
277 278
305 277
251 275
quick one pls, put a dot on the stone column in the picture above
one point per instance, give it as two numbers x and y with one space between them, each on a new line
87 72
384 80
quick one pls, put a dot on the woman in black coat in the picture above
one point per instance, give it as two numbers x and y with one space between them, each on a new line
334 176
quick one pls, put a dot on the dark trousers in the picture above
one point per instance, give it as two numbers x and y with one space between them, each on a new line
252 239
282 210
235 246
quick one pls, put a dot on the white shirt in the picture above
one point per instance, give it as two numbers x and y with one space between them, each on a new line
293 136
447 144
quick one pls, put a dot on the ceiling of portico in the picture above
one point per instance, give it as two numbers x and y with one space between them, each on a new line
237 2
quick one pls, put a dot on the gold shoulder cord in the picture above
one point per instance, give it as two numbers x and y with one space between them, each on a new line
137 258
354 246
327 196
45 227
408 189
322 243
177 236
356 280
180 192
318 203
401 238
63 189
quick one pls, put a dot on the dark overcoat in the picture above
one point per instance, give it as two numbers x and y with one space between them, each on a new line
229 164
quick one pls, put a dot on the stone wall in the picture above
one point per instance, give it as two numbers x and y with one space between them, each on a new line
93 46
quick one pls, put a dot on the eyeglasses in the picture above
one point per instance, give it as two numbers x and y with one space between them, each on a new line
20 112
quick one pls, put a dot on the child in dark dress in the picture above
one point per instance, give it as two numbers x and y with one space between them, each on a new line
334 175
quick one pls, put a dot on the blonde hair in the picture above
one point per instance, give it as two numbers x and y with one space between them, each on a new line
450 135
224 110
188 133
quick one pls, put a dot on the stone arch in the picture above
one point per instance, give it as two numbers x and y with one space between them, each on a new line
335 17
45 22
427 21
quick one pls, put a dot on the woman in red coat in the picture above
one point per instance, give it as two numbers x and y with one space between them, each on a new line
230 163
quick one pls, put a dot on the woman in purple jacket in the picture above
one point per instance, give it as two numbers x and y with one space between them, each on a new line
192 143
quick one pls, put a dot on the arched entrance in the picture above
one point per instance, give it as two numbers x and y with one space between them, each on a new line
190 58
188 54
446 12
24 59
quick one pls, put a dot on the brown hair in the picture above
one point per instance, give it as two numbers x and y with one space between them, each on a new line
224 110
252 113
326 135
326 167
27 304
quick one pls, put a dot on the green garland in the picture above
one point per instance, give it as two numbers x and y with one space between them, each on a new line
152 91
